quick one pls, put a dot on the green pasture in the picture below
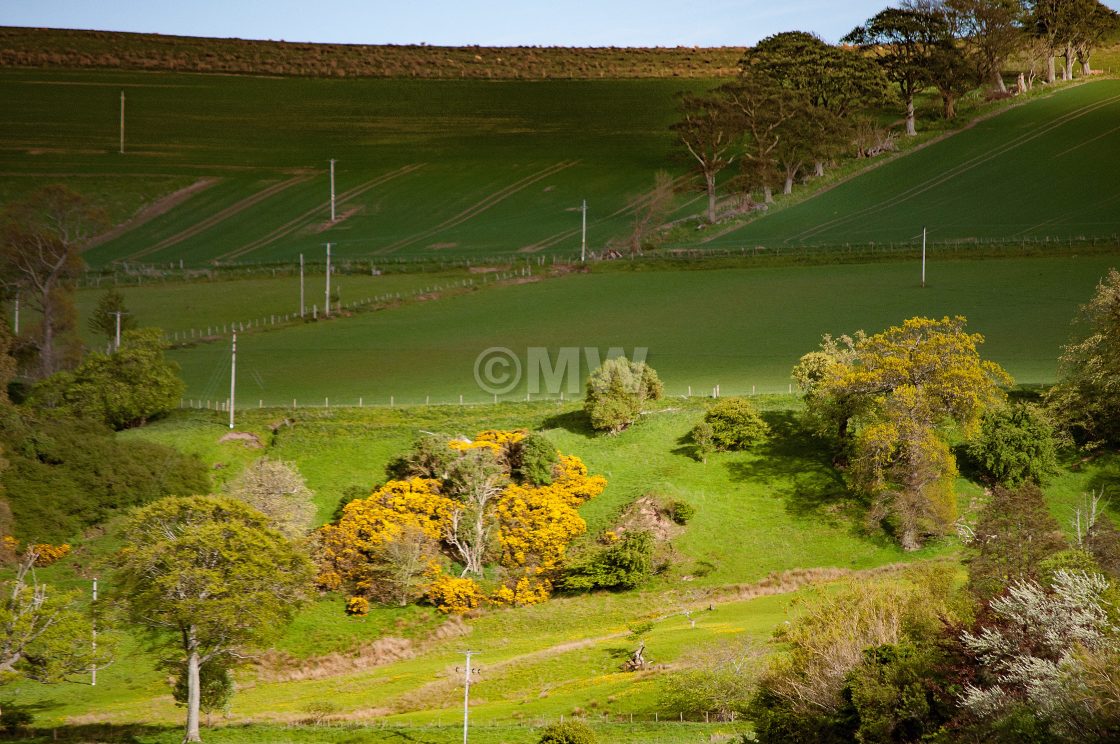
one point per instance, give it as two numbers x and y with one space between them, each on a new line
1036 171
425 168
742 329
778 508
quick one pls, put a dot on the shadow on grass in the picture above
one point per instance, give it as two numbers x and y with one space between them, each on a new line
577 422
797 466
1107 478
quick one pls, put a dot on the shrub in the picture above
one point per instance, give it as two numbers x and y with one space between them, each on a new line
357 606
277 490
735 424
454 595
568 732
616 392
1015 445
536 458
14 720
122 389
626 564
703 436
680 512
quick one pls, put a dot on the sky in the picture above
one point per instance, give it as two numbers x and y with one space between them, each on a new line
447 22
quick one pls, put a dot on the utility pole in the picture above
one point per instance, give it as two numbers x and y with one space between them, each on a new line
327 304
923 258
583 243
93 667
122 123
301 305
467 696
15 322
118 314
332 190
232 378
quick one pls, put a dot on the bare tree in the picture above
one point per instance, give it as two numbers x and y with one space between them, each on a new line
709 132
477 478
40 242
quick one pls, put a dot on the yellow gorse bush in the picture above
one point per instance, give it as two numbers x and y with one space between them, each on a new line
532 525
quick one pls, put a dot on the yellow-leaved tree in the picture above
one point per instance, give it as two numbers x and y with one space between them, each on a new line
892 400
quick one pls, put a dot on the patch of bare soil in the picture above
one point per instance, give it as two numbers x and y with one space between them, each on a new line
153 210
442 246
339 218
647 515
250 440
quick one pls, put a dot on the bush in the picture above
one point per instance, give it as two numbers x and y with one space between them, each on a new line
616 392
536 458
122 389
680 512
703 436
735 424
568 732
216 687
1015 445
14 720
66 474
625 565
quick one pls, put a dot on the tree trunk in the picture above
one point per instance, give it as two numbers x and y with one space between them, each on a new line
193 687
1051 74
768 193
1000 85
950 106
911 130
710 182
788 187
46 340
1086 70
1067 73
818 168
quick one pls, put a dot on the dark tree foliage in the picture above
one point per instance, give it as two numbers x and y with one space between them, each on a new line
430 457
1015 533
534 459
736 424
103 322
66 474
626 564
1015 445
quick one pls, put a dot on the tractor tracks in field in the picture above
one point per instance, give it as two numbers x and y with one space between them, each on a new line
491 200
220 216
151 211
295 224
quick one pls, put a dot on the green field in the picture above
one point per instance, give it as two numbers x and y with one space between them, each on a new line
233 169
1038 171
741 329
427 168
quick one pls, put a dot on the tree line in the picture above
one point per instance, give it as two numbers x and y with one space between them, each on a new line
799 103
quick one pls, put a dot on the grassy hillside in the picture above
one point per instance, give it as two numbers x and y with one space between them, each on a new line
772 510
742 329
48 47
1038 171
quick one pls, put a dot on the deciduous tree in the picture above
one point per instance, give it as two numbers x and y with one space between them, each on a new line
892 396
210 578
709 132
1086 399
40 243
121 389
